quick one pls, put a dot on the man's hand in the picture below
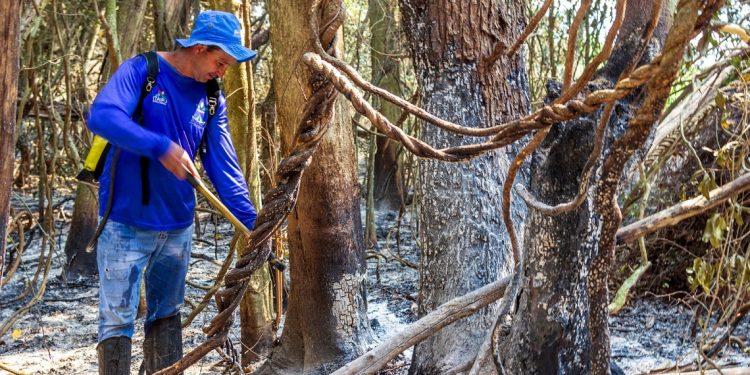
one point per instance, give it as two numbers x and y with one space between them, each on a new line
177 161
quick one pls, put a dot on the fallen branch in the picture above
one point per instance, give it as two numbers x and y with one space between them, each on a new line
10 370
683 210
447 313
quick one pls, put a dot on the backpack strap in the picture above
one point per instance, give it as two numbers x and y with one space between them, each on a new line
213 91
152 70
152 67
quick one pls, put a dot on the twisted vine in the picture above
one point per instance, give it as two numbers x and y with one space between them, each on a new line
281 200
328 81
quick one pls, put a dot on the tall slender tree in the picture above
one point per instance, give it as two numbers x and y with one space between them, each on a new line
326 323
386 72
463 240
10 11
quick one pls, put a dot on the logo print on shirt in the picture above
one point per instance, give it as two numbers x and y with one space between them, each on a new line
198 117
160 97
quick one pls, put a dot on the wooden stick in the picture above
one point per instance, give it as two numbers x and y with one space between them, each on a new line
445 314
683 210
11 370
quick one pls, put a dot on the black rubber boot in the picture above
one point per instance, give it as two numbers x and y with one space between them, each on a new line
114 356
162 346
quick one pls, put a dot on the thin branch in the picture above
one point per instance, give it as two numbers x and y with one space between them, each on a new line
590 69
10 369
497 51
683 210
572 37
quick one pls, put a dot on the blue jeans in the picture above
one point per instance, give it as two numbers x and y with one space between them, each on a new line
123 252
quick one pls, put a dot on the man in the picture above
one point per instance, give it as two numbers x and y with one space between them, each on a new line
150 223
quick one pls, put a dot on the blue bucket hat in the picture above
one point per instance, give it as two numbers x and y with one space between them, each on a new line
221 29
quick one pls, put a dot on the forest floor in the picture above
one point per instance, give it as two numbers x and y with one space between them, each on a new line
57 335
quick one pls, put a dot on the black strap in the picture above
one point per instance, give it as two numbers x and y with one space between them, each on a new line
152 70
152 66
213 91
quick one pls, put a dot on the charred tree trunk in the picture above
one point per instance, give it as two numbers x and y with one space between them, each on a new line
326 324
10 12
464 241
385 73
553 331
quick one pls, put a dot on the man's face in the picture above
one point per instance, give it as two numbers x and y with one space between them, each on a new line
210 63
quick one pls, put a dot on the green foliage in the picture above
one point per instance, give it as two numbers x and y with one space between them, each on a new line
706 185
714 231
731 275
621 297
701 274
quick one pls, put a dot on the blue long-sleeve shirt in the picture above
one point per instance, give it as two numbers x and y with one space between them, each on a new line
175 110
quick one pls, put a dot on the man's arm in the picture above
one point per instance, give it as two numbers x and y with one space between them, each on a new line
222 168
111 112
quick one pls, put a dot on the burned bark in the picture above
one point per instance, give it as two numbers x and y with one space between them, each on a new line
464 242
558 327
81 263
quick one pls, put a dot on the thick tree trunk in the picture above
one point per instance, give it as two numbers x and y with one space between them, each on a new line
10 12
326 324
385 74
464 241
550 334
553 331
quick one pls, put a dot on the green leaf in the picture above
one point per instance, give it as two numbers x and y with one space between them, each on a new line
716 225
737 215
706 185
720 100
705 276
621 297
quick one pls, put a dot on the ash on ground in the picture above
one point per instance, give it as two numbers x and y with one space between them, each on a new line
655 333
57 335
